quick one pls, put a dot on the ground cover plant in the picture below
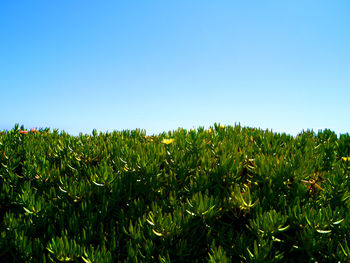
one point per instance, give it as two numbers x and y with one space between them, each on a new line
224 194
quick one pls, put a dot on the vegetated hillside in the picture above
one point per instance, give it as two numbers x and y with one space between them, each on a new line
226 194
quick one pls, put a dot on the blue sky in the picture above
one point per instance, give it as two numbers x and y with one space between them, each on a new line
159 65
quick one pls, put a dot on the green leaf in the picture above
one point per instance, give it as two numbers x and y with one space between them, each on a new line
64 258
308 221
27 210
50 250
283 228
345 197
86 260
342 248
211 208
250 253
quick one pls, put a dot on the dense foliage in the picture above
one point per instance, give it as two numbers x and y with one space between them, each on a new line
226 194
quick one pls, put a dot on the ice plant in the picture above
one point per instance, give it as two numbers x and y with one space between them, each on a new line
168 141
346 158
33 130
23 132
222 126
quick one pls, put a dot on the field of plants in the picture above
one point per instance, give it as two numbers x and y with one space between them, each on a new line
223 194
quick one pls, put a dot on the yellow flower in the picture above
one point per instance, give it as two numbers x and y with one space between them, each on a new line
346 158
222 126
149 138
209 131
168 141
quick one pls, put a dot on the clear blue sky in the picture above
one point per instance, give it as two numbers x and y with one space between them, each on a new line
159 65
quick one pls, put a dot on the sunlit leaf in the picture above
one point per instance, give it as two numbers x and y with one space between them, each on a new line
157 233
323 231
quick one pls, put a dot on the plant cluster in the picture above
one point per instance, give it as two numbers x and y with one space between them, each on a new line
225 194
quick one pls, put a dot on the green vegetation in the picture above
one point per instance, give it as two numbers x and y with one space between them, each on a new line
227 194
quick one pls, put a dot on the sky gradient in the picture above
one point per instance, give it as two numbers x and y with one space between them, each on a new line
159 65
